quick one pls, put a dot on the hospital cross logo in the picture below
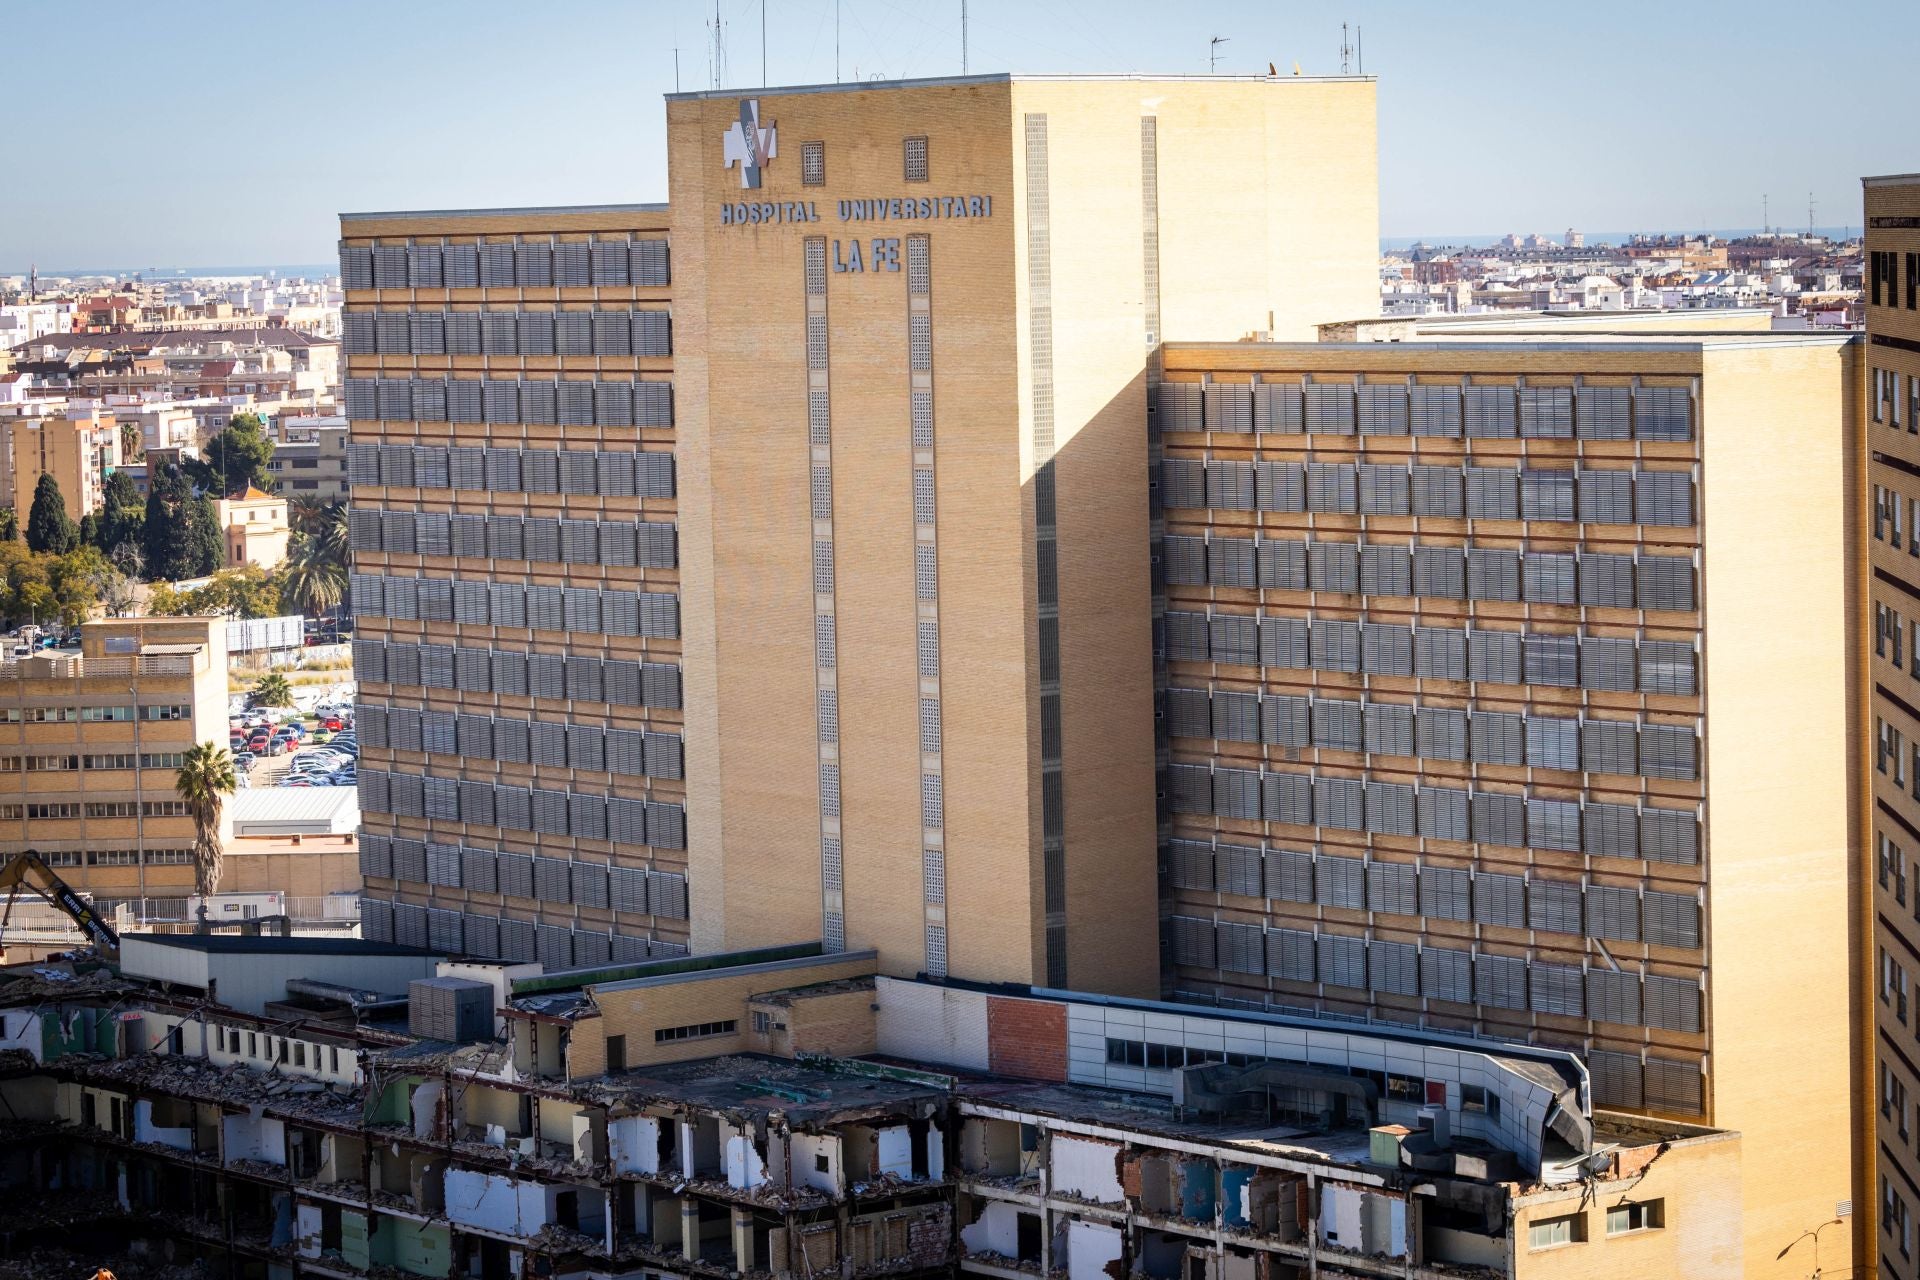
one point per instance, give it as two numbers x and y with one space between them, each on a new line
749 145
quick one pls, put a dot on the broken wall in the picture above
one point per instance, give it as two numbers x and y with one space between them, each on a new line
495 1202
1091 1247
1085 1168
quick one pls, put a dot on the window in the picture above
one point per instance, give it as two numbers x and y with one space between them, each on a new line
169 713
299 1053
762 1023
1893 985
1406 1089
1893 869
916 159
694 1031
1643 1215
97 714
813 164
616 1053
1893 1100
1548 1233
1475 1097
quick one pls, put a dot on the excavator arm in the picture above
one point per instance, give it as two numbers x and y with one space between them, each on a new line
31 870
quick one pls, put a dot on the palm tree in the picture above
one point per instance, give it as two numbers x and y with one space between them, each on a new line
329 531
205 781
310 581
272 690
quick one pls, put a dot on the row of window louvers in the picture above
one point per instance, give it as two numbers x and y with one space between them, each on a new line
1574 745
643 891
506 333
1438 973
530 264
494 938
484 602
1588 495
1342 405
512 740
1507 819
1594 579
581 815
1610 912
544 402
605 473
619 682
540 539
1610 663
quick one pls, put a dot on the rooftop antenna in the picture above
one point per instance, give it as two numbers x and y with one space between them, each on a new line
763 43
1213 52
1809 215
676 68
719 46
1346 52
963 37
1766 223
836 41
1360 47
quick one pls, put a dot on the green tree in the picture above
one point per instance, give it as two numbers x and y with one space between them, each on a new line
205 550
311 582
235 458
122 514
77 581
247 591
49 527
164 527
9 525
272 690
205 781
133 446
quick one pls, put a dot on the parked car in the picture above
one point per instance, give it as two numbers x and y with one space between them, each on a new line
243 761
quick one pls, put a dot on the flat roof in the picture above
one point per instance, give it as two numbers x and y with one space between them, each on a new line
1598 340
543 210
1008 77
752 1083
1892 180
241 944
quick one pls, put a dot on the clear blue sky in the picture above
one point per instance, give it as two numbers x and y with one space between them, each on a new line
230 133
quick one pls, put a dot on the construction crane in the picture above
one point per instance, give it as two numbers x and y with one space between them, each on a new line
29 869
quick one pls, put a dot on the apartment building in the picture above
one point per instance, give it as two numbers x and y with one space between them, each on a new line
309 457
1484 713
267 1106
1892 387
90 745
851 418
76 445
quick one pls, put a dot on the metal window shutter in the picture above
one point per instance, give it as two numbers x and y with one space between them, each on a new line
517 940
1229 485
591 947
1439 653
1280 486
1342 961
1500 900
1446 974
1393 967
1553 743
1606 497
1551 660
1606 663
612 333
1499 818
1493 575
1236 794
1611 830
1446 893
357 329
1186 641
1434 409
1439 572
512 741
1284 720
1190 865
1290 955
1192 788
1334 566
1609 746
1546 495
1663 413
460 266
572 267
586 678
362 400
376 855
610 262
1386 650
506 537
1178 407
443 865
1383 409
1613 913
1340 882
550 811
356 266
1672 1086
1670 919
627 889
1606 581
586 747
1500 981
1283 564
1239 868
515 873
1616 1077
1493 493
1673 1004
438 733
1603 413
614 405
432 536
1289 876
536 339
1385 571
1667 666
1546 413
430 467
500 402
1330 408
553 946
1490 412
1393 887
1437 491
403 663
1669 751
659 684
473 737
1557 989
1335 645
1278 409
1332 487
1284 642
1336 725
1288 798
1664 498
1235 639
410 925
1229 407
390 266
652 333
626 820
462 329
651 264
410 860
1230 561
496 265
1236 718
1193 941
1495 657
436 660
1613 997
1665 582
533 266
590 884
1554 905
1185 559
1241 948
1548 578
1442 812
1389 729
653 404
1498 737
499 333
573 333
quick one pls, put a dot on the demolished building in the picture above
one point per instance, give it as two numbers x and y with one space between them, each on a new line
790 1114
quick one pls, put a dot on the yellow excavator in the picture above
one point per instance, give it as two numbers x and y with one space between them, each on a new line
30 870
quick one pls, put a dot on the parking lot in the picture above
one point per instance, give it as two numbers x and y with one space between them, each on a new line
314 763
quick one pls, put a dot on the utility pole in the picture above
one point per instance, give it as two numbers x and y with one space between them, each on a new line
1213 52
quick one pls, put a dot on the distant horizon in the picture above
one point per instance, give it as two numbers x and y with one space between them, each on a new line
321 268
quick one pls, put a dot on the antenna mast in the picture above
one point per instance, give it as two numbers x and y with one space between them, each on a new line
963 37
1346 52
1213 52
836 41
1766 222
763 43
1360 47
1809 215
719 46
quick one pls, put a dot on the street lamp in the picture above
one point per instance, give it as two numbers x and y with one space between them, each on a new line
1815 1233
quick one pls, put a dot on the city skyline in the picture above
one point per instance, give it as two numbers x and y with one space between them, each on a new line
1457 120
